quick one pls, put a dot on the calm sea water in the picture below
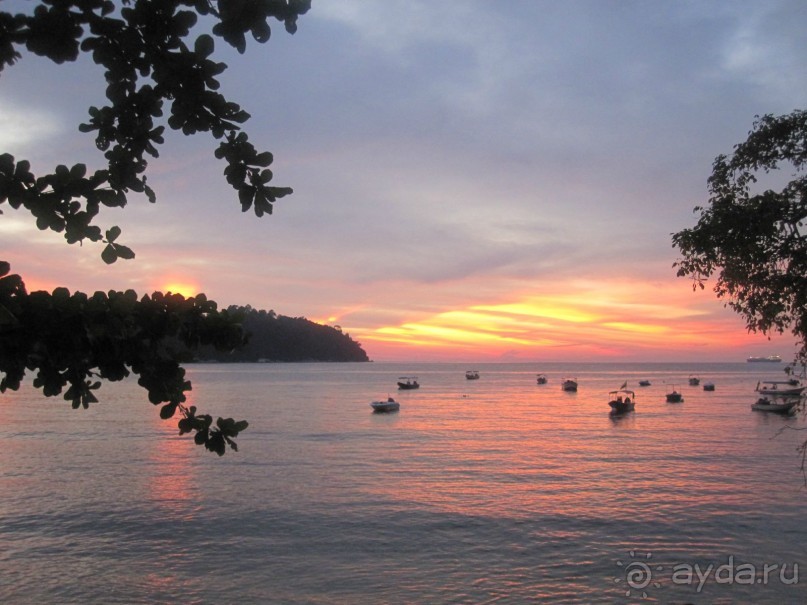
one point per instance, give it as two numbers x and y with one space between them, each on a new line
490 491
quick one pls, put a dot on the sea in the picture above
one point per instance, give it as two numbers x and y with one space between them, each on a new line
489 491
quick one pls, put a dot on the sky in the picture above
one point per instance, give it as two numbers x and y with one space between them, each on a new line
473 180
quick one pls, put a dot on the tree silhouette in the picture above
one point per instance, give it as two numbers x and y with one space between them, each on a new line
159 73
751 237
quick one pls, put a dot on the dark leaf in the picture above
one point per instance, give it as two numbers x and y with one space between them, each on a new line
167 411
109 255
112 234
204 45
124 252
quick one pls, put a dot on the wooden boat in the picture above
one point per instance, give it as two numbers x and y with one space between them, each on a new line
408 382
621 401
390 405
674 396
541 379
780 406
472 375
569 384
779 388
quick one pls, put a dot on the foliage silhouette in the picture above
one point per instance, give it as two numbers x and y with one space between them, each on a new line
149 62
752 238
69 340
153 62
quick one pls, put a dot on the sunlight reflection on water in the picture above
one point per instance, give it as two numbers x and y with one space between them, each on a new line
496 490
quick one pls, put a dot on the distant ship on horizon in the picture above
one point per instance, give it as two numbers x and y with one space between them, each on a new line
769 358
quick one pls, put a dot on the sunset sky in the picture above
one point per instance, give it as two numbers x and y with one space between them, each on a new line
473 180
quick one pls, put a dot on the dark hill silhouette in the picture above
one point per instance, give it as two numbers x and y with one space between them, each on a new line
272 337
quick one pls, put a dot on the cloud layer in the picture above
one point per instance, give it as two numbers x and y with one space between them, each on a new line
451 162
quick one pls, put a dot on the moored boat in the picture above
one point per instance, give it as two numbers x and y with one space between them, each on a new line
390 405
781 406
408 382
769 359
674 396
541 379
644 383
779 387
569 384
694 380
621 401
472 374
708 386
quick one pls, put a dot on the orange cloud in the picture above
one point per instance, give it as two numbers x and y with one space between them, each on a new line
626 320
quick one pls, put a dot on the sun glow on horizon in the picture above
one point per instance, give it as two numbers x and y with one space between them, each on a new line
183 288
336 318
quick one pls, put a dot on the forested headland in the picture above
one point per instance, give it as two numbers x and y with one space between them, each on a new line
273 337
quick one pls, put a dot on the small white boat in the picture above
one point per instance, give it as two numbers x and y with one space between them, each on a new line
390 405
782 406
621 401
694 380
779 387
541 379
472 374
408 382
569 384
708 386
